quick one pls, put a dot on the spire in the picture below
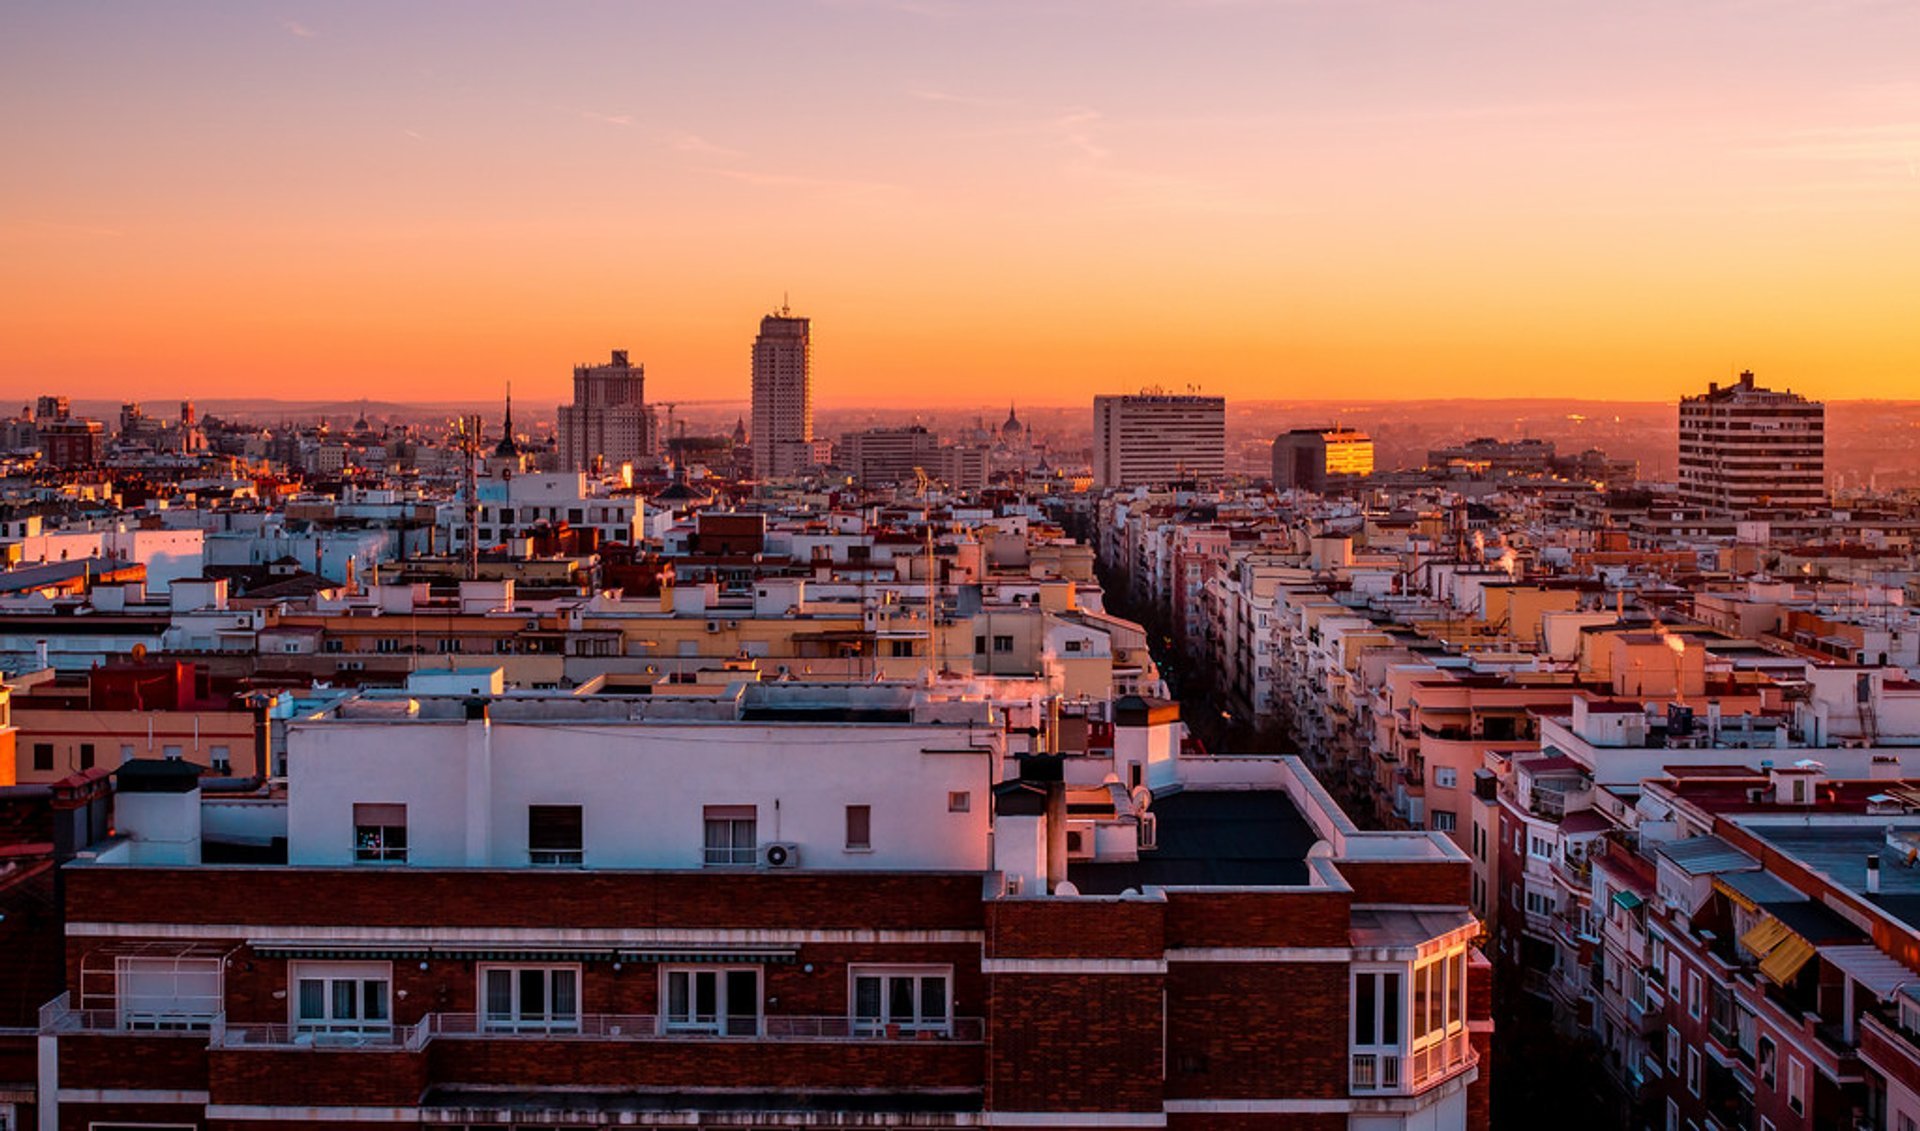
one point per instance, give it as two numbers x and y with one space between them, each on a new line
508 446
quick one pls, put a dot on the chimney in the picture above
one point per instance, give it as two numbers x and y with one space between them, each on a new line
1873 873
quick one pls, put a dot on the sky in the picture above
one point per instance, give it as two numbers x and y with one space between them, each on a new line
975 201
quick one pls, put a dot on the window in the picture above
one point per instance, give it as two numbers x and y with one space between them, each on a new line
168 993
1539 903
333 645
979 645
86 755
1797 1085
1673 1114
1002 644
1765 1054
712 999
1695 996
959 801
126 753
43 756
342 997
732 834
221 759
1446 777
1693 1071
1442 820
554 835
531 999
859 828
172 753
380 833
910 1000
1673 1050
1540 847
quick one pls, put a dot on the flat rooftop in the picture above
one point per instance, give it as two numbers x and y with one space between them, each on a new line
1211 838
1838 851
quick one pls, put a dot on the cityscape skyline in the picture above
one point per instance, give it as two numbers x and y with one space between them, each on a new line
374 199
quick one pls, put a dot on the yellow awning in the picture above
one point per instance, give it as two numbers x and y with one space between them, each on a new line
1732 893
1787 959
1763 938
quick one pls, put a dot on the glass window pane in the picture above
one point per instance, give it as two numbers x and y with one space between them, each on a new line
1390 1008
533 994
866 997
344 1008
933 999
706 995
1457 989
900 999
499 993
564 997
1364 1005
374 999
677 995
313 999
1421 981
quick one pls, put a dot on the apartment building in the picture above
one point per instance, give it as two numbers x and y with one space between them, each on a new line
1155 439
608 423
1748 450
491 912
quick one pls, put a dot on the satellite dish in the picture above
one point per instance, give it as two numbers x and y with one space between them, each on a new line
139 652
1142 798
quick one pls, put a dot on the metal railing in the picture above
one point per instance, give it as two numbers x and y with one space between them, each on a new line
1394 1072
58 1016
411 1038
642 1026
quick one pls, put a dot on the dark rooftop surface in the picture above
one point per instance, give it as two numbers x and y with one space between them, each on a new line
1212 838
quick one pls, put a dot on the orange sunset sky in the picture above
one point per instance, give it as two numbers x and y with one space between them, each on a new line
974 201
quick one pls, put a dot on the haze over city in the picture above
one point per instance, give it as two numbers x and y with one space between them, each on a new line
974 202
1205 565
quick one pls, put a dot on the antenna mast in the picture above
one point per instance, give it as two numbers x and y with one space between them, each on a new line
469 437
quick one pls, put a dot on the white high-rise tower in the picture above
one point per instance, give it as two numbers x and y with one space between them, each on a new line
782 397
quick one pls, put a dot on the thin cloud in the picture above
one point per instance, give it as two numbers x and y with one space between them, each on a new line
22 231
813 184
978 102
694 143
299 30
606 119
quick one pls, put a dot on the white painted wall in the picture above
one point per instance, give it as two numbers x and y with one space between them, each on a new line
642 788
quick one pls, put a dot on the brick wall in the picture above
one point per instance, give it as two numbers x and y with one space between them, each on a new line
1440 882
691 1063
1244 919
1076 928
132 1060
401 897
1257 1031
1074 1042
304 1076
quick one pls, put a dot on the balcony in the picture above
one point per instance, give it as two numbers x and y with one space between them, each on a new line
1377 1073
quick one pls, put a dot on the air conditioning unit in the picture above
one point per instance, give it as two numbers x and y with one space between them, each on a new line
1079 844
780 854
713 626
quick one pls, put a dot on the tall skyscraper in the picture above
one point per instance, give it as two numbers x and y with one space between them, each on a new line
1746 450
1153 439
609 419
783 397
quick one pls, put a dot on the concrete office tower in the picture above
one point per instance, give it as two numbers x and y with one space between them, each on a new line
609 420
1153 439
1321 459
1745 449
879 457
782 397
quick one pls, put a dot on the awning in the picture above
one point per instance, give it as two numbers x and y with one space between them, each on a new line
730 956
1626 900
1787 959
1763 938
1872 968
510 952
